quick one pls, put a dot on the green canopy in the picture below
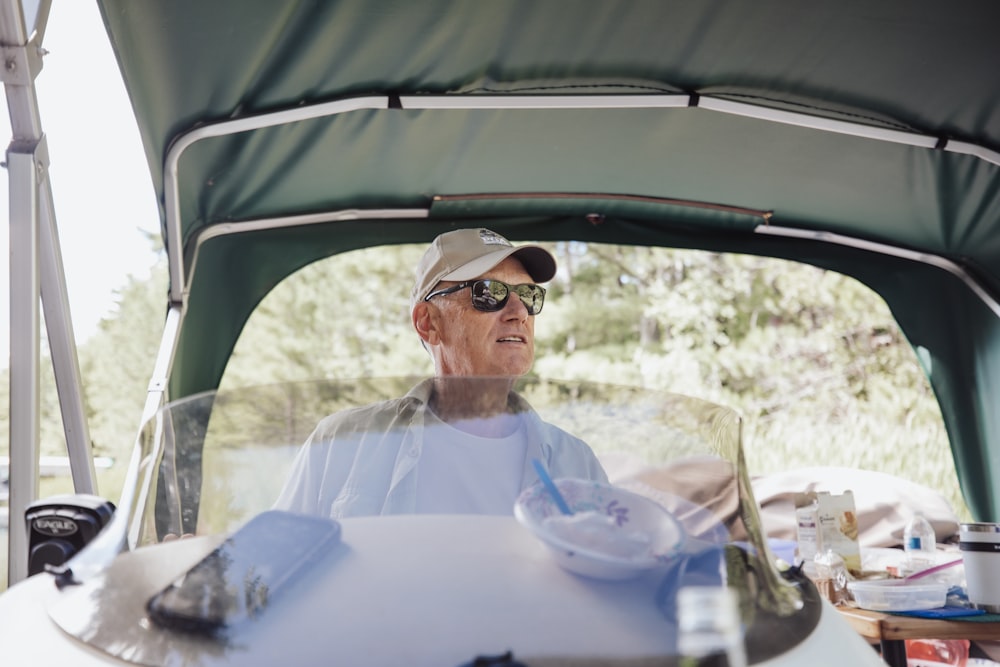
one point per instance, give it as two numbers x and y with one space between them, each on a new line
858 136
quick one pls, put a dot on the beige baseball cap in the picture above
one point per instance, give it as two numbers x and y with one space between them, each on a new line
465 254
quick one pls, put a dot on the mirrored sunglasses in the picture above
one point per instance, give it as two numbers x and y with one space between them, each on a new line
490 296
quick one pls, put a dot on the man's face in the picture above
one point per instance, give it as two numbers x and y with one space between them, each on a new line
471 342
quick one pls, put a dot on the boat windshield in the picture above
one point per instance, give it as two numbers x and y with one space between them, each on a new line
339 544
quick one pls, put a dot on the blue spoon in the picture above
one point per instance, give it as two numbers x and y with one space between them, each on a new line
551 487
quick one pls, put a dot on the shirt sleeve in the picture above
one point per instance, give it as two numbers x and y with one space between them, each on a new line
572 457
301 490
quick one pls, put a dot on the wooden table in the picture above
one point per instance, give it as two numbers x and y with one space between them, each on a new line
891 630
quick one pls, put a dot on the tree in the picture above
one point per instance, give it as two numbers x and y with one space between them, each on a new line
813 360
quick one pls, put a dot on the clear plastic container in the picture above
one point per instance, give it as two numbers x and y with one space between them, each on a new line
898 595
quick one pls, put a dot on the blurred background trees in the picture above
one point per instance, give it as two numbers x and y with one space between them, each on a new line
812 359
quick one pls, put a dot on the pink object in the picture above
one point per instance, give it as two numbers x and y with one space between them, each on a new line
932 570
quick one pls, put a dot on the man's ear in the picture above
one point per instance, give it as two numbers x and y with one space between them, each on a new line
426 321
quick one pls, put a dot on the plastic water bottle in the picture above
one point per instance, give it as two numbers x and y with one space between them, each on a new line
919 542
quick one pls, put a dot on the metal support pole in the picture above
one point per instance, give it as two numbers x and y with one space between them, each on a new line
25 291
62 347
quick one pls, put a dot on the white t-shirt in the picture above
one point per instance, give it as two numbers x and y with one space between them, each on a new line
363 461
462 473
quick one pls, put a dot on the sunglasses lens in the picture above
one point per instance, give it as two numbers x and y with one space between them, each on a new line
532 296
491 295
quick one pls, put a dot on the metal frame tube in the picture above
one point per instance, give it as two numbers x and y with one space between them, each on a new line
62 348
892 251
25 291
171 187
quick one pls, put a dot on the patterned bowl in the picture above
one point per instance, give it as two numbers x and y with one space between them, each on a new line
612 534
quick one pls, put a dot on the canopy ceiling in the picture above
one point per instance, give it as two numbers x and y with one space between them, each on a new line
920 67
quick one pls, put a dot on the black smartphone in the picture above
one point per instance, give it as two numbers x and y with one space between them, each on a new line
238 579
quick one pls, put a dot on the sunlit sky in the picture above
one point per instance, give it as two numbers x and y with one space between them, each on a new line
104 200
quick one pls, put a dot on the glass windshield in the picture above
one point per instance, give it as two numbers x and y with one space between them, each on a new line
667 467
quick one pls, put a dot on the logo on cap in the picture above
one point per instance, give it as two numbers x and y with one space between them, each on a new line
492 238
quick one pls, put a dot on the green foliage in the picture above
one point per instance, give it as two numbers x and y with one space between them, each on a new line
117 363
811 359
348 317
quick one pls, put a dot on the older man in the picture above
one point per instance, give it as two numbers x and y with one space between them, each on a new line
463 441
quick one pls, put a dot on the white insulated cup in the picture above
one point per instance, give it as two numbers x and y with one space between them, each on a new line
980 546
